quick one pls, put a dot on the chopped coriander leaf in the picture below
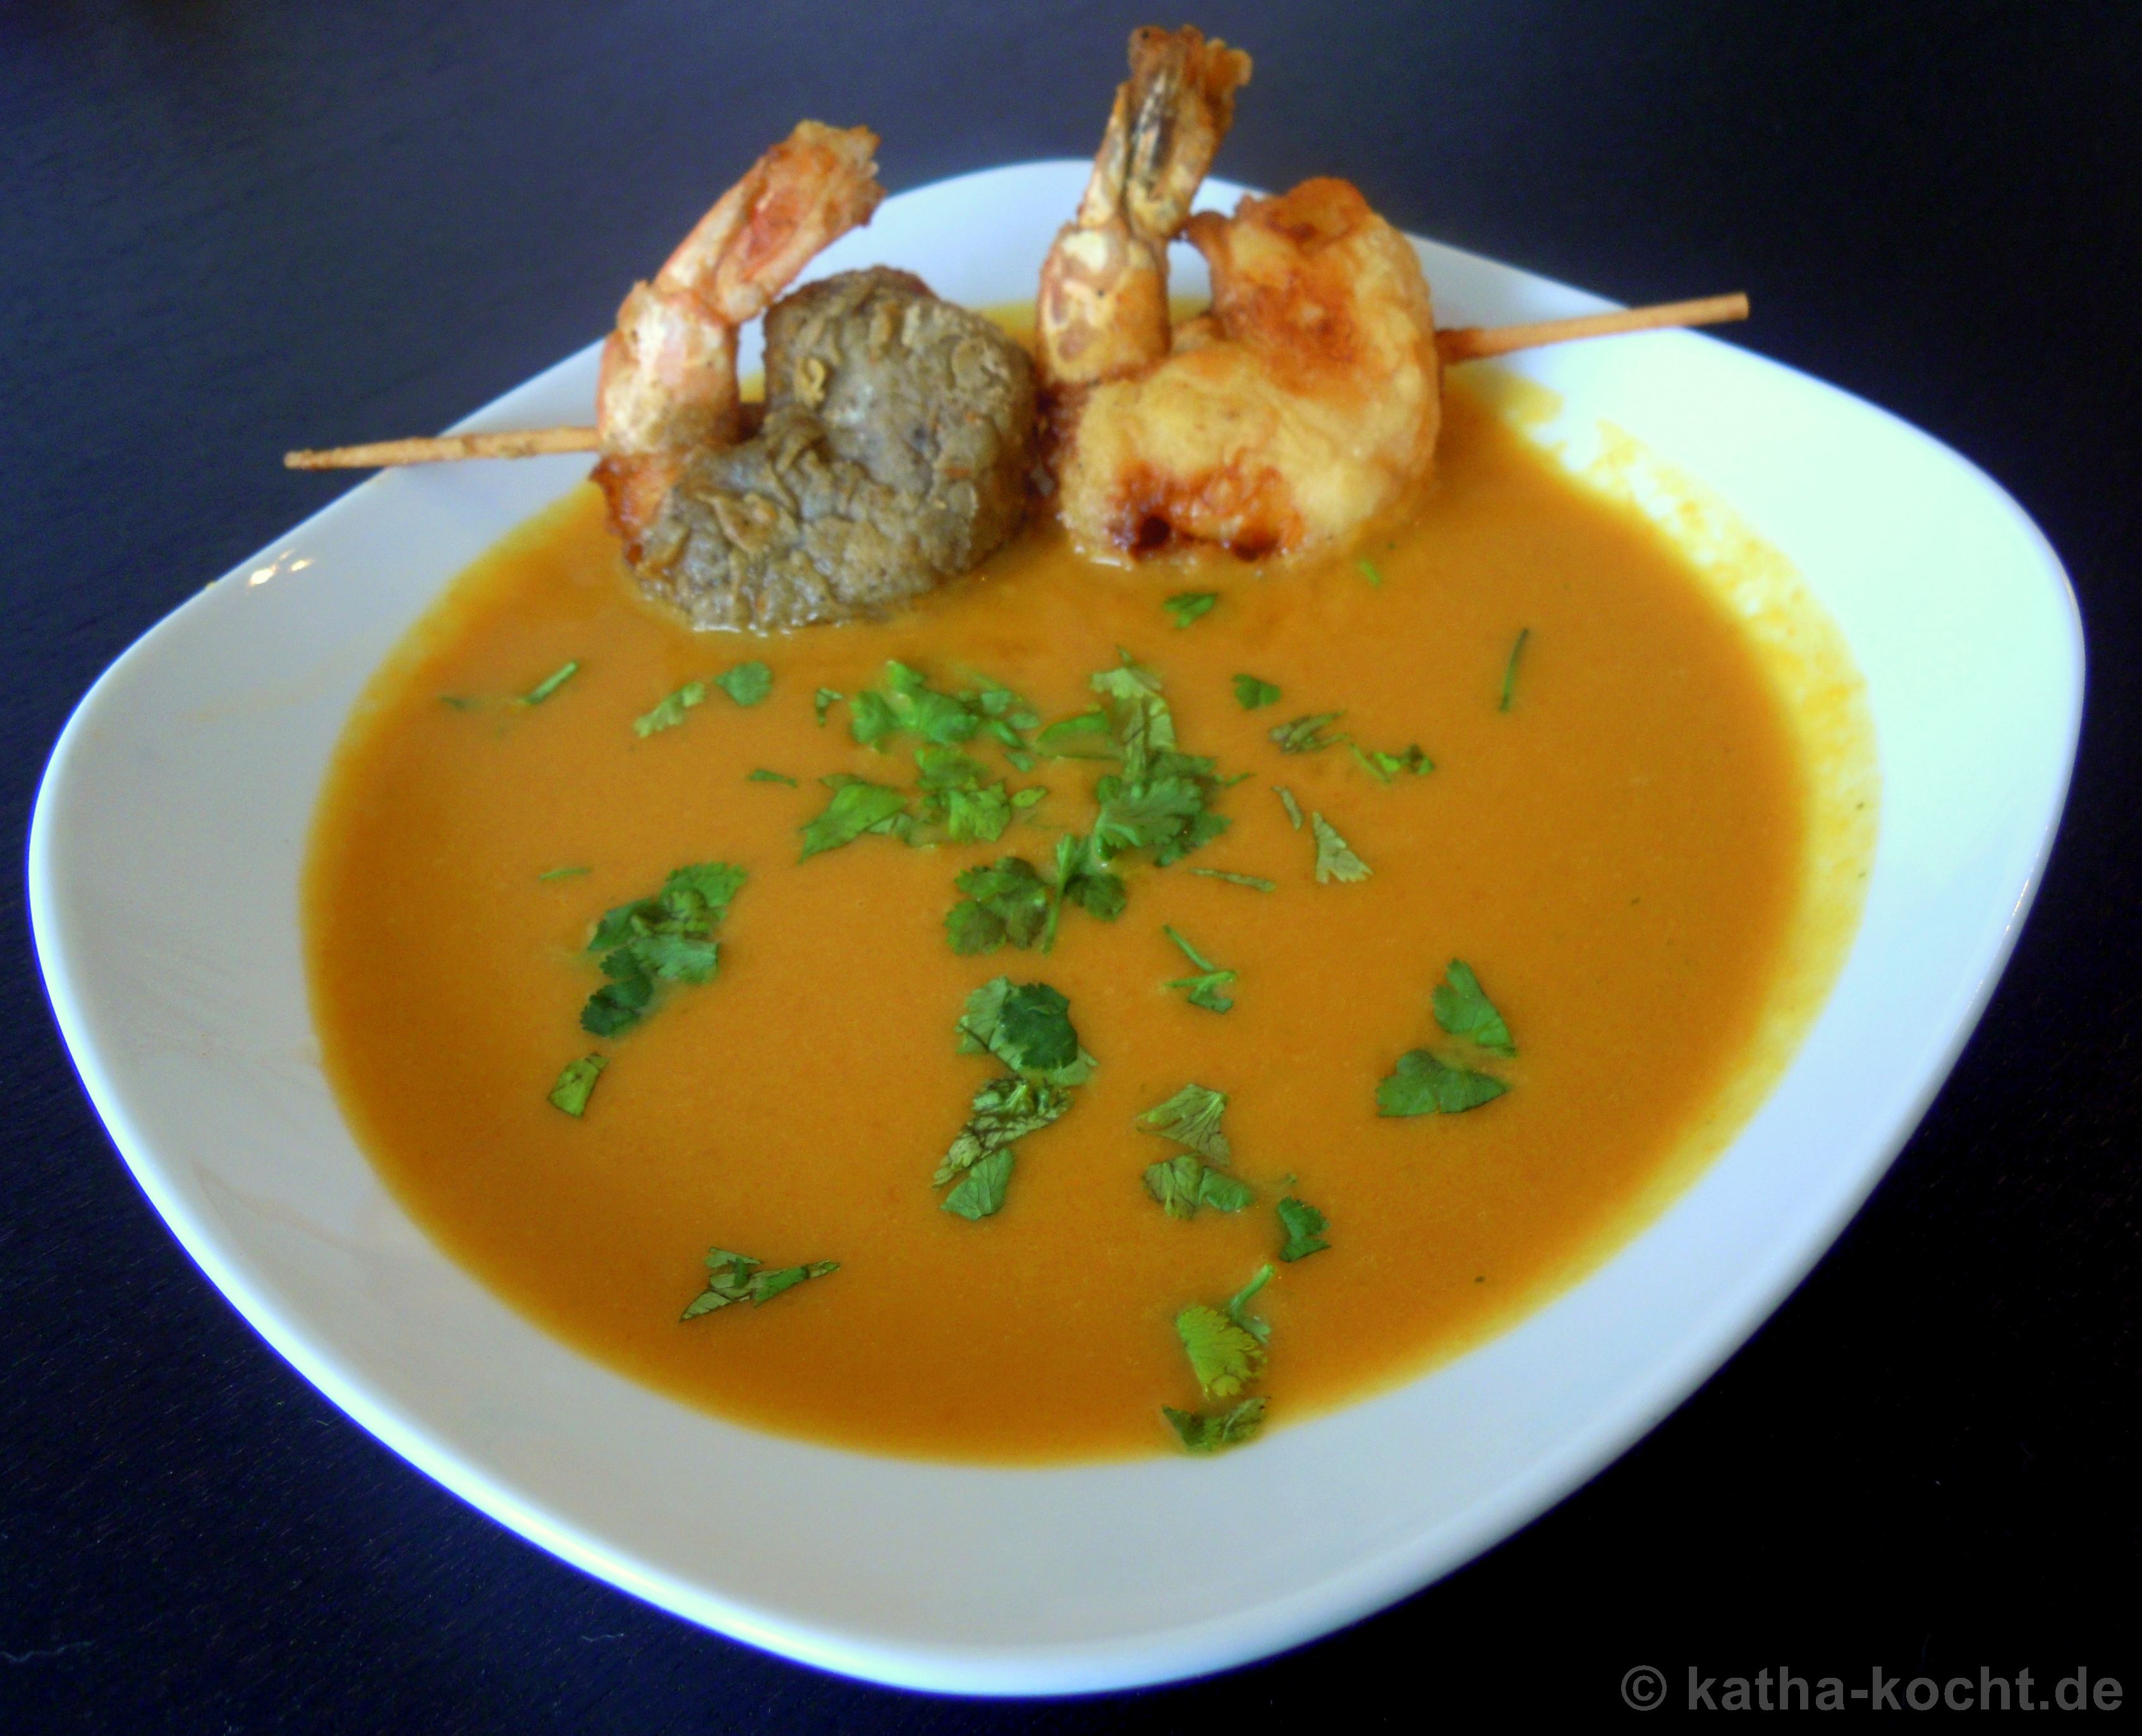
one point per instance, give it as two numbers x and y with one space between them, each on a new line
1385 766
1238 1306
1006 902
1006 717
1161 802
460 701
666 938
1462 1009
1224 1355
1052 740
732 1277
1510 669
551 682
823 701
1424 1085
908 702
955 796
1205 989
762 776
1306 735
1004 1109
981 1192
1186 606
1305 1227
1368 570
1334 859
577 1082
1202 1433
1251 693
1184 1182
1084 879
557 874
669 710
1287 801
1191 1117
747 683
1028 1027
1255 882
856 807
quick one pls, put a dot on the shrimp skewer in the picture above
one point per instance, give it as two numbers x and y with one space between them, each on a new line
1306 402
1454 344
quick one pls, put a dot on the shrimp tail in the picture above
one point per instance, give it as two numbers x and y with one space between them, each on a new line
668 379
668 370
1102 309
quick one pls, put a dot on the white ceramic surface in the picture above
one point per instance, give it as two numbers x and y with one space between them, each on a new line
191 769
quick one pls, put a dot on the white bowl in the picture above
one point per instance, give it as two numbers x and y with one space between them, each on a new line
165 861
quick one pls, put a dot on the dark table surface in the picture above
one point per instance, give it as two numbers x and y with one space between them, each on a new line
227 229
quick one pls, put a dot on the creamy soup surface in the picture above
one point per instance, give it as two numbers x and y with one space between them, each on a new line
1619 852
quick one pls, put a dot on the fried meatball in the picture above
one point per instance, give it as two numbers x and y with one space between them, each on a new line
895 453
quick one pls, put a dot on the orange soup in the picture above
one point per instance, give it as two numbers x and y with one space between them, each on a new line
1607 823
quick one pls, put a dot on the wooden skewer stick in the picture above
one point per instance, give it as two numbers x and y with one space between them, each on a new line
1471 344
384 454
1460 343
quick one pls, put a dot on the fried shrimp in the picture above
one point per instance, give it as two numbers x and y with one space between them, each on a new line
1103 308
669 378
1303 404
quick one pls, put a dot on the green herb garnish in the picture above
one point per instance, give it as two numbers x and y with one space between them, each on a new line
955 795
1186 606
1006 902
1335 860
1306 735
1028 1027
1051 741
1384 768
551 682
1255 882
1305 1227
1182 1183
558 874
1206 1432
669 710
1226 1350
856 807
1429 1084
1205 989
1369 571
1462 1009
907 703
1251 693
1195 1177
651 941
823 701
1510 669
1191 1117
1225 1356
1287 801
762 776
577 1082
732 1277
747 683
1424 1085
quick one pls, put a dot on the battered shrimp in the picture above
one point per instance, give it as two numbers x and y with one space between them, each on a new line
1103 308
667 385
1306 402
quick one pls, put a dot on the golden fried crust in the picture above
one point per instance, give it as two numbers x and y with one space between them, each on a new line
1306 404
